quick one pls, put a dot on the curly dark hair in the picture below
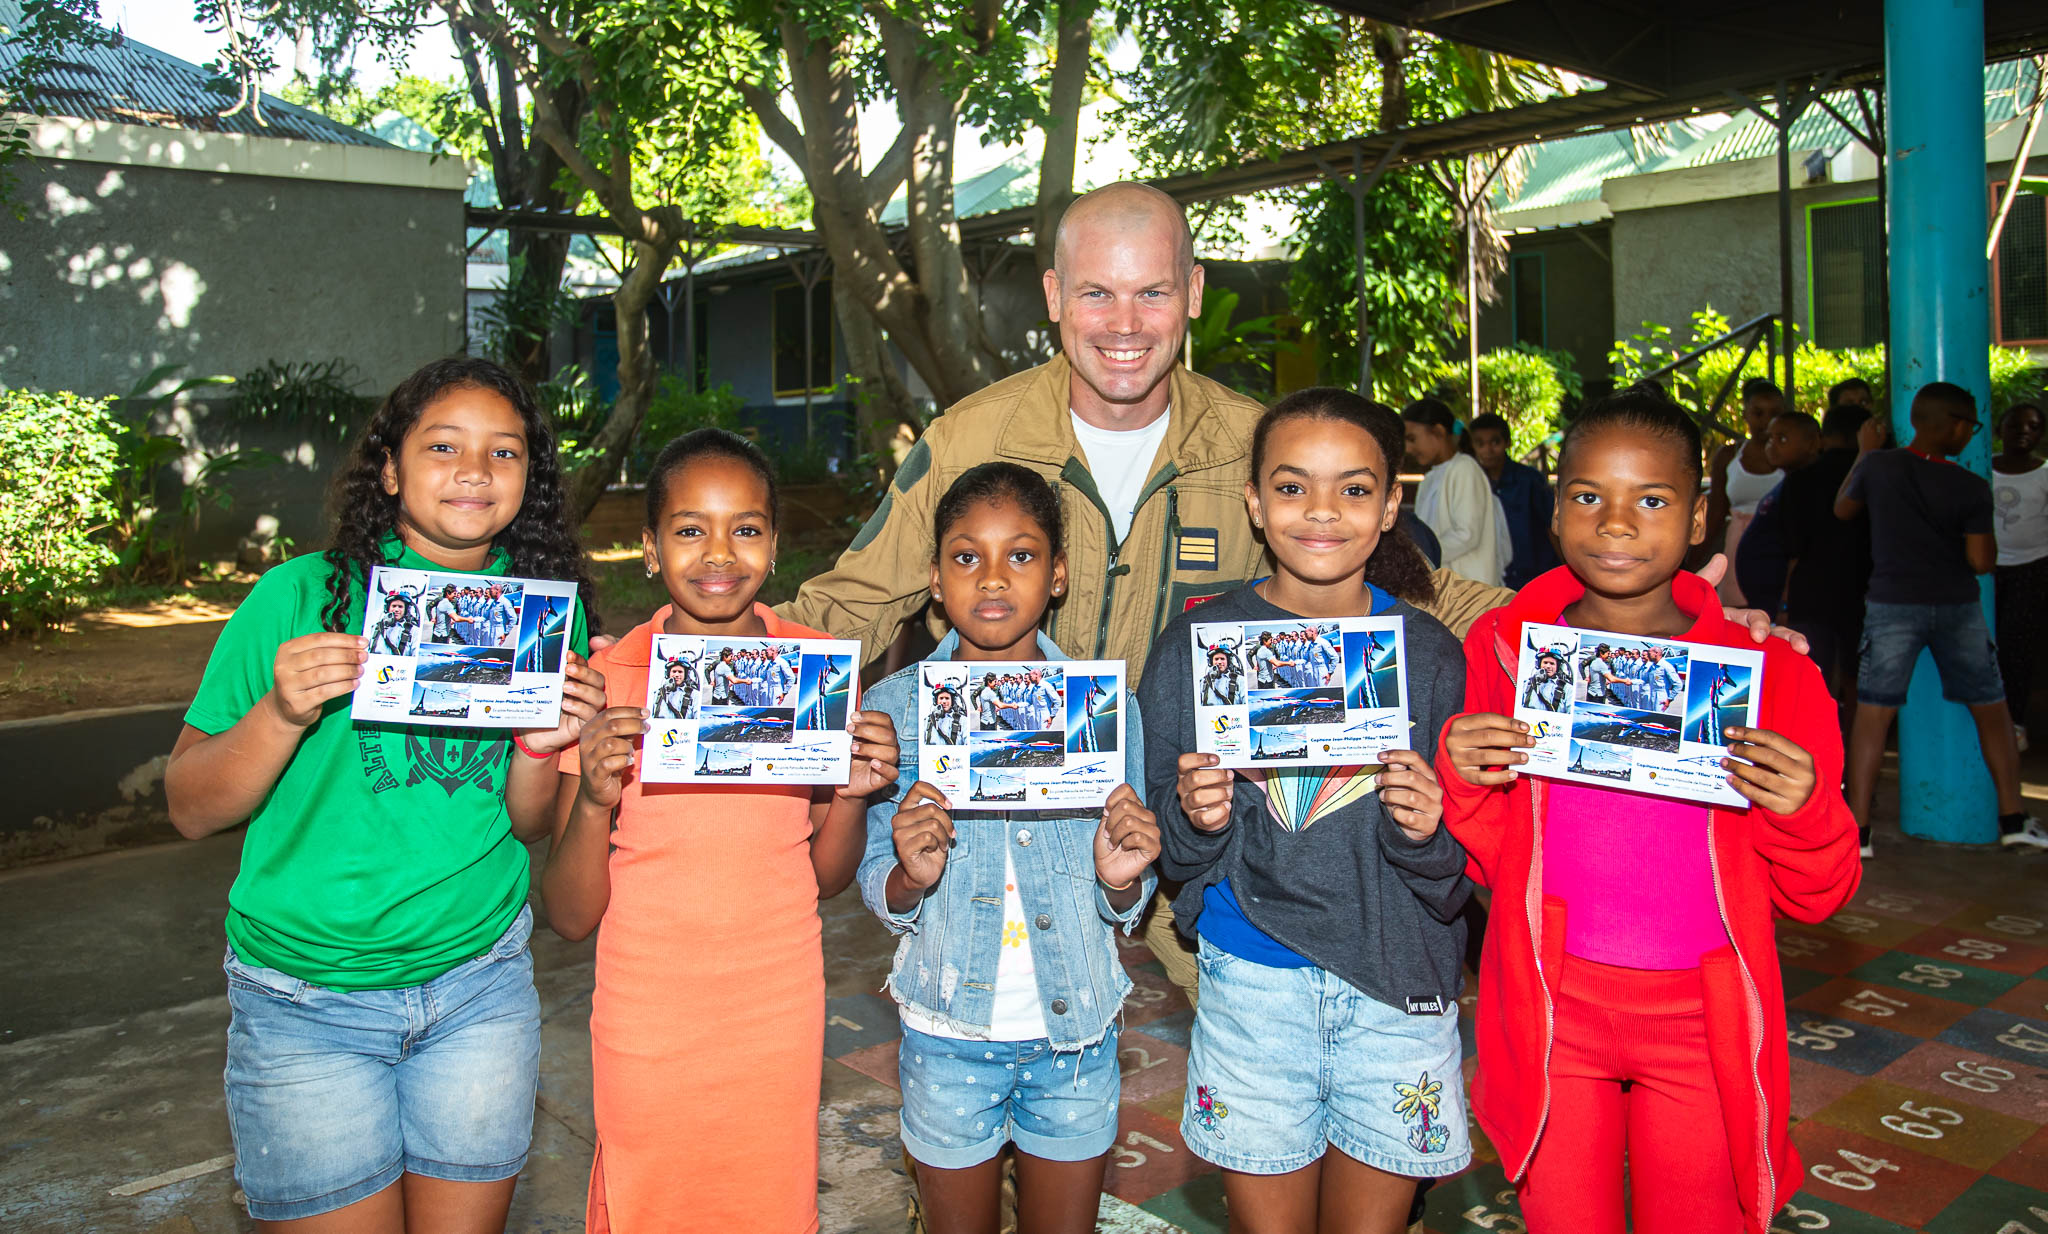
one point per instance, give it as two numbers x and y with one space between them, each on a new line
1001 482
539 540
1396 565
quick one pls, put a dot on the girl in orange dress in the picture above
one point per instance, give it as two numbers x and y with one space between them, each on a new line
707 1022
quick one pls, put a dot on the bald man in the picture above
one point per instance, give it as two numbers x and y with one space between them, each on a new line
1148 458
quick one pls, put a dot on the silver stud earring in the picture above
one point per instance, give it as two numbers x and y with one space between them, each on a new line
771 565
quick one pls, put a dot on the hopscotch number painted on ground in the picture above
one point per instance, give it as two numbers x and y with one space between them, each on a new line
1847 1180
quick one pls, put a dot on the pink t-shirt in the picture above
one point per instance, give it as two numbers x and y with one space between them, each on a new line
1635 876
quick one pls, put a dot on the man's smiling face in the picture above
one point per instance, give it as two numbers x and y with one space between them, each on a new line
1122 290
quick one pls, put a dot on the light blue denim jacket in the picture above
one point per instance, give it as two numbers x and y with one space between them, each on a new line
945 966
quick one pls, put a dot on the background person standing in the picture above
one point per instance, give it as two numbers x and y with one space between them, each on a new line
1455 500
2019 501
1525 499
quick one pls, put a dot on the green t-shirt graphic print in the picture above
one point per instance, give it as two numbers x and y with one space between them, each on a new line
383 857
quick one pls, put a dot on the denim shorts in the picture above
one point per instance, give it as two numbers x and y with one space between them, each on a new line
331 1095
1286 1061
1893 635
962 1100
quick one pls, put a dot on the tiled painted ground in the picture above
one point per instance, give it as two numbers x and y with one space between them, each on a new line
1918 1023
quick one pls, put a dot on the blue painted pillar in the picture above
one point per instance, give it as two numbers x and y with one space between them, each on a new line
1941 331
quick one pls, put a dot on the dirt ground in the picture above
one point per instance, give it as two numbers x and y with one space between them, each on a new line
155 652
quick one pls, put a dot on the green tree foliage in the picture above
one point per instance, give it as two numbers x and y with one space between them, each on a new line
57 462
1524 385
1238 351
1221 83
443 108
1414 289
2013 372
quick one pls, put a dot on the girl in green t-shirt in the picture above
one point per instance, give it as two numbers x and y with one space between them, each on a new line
383 1023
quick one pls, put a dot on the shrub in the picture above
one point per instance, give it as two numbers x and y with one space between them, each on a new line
2014 378
2013 373
1523 385
57 461
675 410
303 392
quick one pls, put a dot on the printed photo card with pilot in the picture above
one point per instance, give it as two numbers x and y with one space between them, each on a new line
1030 735
1321 692
749 710
1638 713
476 650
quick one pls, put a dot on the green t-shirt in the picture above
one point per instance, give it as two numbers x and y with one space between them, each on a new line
384 856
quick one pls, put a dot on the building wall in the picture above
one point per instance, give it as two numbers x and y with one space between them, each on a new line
1671 260
1578 308
116 270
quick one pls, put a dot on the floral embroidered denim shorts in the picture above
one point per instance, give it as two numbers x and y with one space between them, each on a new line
963 1100
1284 1062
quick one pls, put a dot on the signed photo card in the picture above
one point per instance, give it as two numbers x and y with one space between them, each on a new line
467 649
1024 735
749 710
1300 693
1644 714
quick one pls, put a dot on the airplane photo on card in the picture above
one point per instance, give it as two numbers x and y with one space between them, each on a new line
478 650
749 710
1029 734
1306 692
1642 713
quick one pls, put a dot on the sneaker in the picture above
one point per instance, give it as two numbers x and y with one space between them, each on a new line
2029 834
1863 842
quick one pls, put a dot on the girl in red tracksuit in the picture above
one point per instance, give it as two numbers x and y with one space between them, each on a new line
1629 999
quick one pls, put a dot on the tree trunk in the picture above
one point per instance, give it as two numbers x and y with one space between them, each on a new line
881 401
1390 49
933 318
588 482
1062 124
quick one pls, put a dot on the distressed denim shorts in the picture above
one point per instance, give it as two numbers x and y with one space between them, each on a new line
331 1095
1957 634
1284 1062
963 1100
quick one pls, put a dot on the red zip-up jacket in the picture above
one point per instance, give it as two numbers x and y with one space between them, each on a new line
1803 865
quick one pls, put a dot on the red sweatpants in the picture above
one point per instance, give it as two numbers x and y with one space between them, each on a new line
1629 1079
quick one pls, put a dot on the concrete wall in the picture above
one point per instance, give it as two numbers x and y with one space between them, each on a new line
1671 260
118 269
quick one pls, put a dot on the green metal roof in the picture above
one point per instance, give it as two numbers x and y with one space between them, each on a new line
1572 169
2005 85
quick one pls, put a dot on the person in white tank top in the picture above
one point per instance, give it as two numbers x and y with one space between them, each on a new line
1742 477
2019 501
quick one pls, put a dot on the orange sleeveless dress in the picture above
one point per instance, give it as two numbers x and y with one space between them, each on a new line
707 1024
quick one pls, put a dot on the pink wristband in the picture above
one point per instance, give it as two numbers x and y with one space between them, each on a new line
524 750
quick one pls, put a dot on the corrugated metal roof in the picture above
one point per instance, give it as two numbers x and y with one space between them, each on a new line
1012 182
133 83
1573 169
2006 85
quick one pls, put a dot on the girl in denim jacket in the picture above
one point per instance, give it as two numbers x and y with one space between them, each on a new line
1007 974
